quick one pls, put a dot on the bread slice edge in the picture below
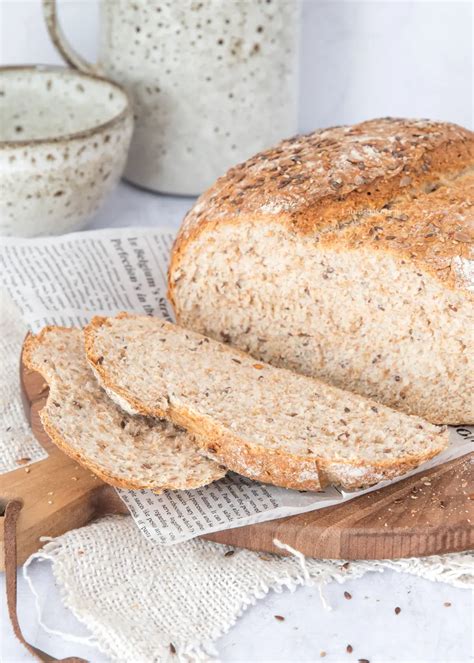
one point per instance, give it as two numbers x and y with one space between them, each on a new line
109 478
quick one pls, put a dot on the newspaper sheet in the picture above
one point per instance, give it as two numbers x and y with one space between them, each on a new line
66 280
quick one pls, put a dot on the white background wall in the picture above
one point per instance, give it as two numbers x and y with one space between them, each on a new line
359 59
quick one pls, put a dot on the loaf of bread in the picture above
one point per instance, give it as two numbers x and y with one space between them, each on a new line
347 255
266 423
125 451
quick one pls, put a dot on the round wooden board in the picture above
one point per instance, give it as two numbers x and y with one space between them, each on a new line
431 513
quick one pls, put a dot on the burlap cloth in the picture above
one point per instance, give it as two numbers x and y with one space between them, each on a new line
17 445
146 602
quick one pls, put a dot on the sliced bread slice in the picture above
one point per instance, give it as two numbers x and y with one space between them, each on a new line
264 422
125 451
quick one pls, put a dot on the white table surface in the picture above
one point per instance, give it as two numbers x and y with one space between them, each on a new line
424 631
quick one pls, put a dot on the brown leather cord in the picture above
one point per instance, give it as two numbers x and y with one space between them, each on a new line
12 511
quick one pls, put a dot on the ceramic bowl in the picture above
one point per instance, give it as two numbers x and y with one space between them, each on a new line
64 138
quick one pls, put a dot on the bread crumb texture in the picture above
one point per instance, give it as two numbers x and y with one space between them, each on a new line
126 451
266 423
347 255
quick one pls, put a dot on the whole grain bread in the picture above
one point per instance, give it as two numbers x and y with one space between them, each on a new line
346 254
124 451
266 423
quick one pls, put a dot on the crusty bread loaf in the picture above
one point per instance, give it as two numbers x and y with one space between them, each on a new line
126 451
347 255
266 423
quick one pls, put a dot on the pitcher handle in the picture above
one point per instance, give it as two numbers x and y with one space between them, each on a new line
50 13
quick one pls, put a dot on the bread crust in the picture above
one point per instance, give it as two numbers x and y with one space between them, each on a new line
51 430
269 466
339 184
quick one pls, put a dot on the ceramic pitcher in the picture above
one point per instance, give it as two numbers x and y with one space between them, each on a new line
212 82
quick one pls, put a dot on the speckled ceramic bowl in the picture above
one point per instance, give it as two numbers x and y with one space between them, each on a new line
64 138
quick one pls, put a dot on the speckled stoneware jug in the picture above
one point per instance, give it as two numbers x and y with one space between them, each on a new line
212 82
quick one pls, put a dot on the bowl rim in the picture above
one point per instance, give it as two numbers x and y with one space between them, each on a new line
84 133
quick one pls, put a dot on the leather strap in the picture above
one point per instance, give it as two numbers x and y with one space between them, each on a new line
12 511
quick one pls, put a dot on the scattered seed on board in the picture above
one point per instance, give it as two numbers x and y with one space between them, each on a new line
229 553
172 648
347 595
349 649
322 654
279 618
363 660
398 610
447 604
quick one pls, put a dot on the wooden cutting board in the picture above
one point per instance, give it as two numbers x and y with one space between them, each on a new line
427 514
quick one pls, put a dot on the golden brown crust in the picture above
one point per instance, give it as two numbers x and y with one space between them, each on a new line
269 466
434 231
342 177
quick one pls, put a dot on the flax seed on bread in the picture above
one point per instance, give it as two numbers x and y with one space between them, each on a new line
266 423
124 451
347 255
